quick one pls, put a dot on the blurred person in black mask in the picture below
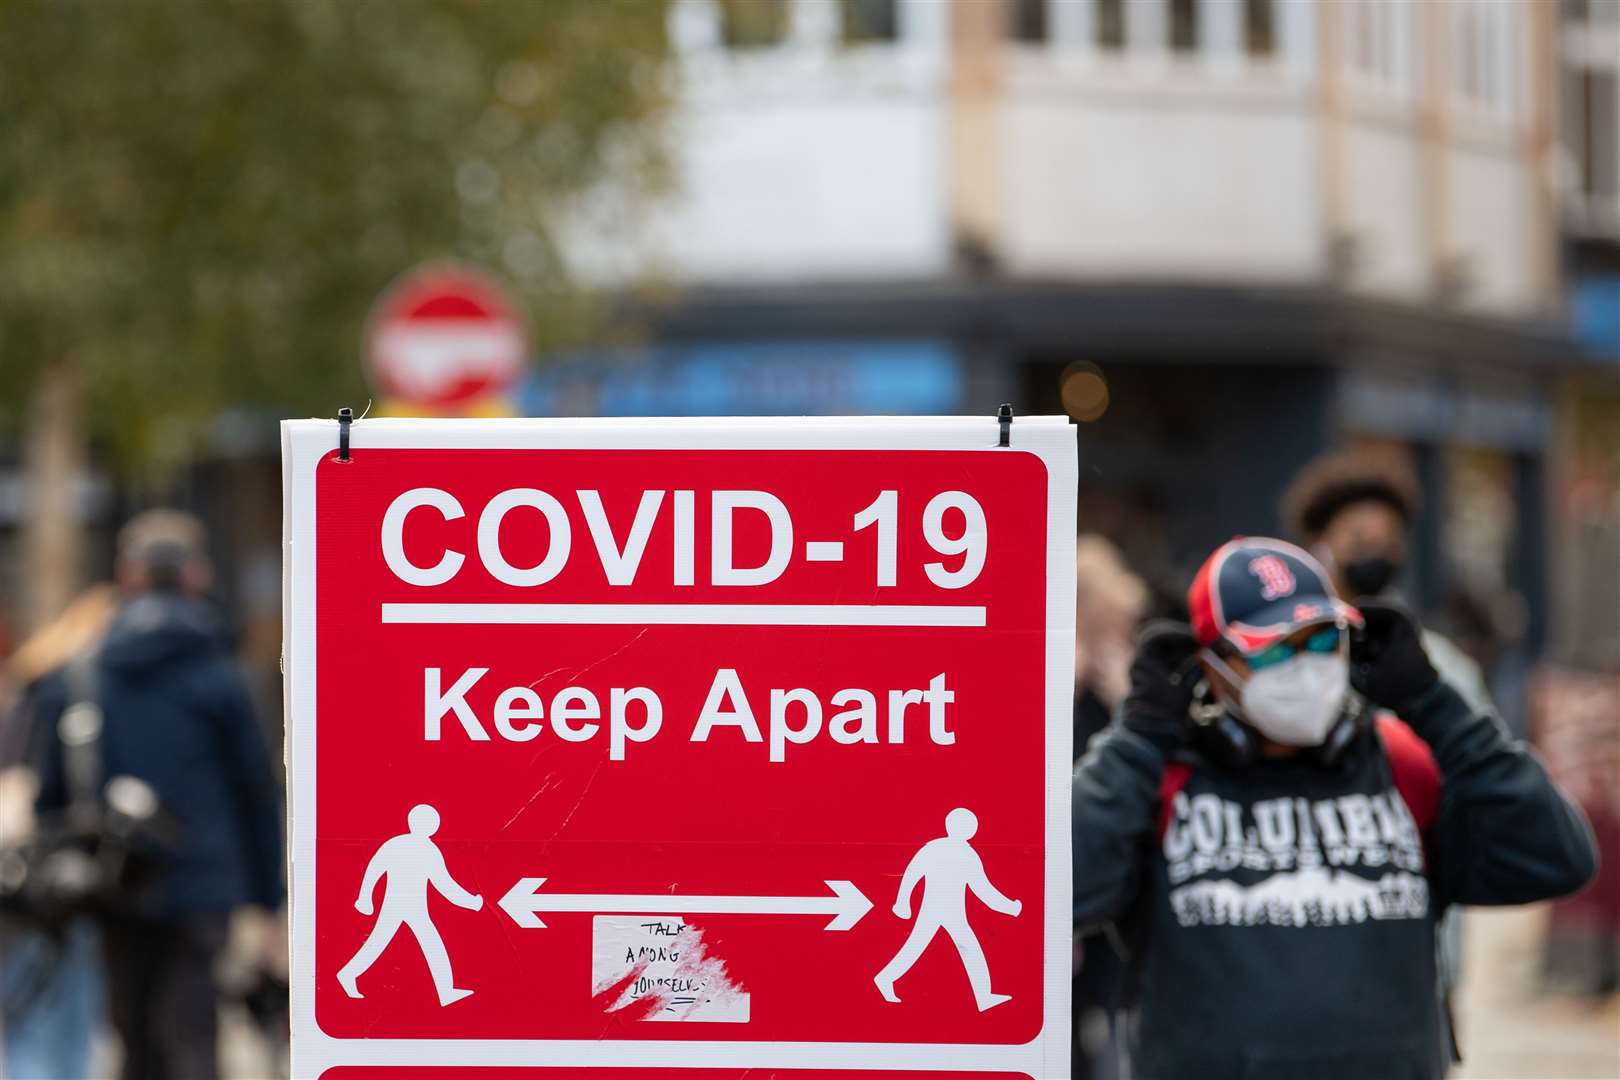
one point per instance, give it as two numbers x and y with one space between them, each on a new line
176 715
1354 509
1291 799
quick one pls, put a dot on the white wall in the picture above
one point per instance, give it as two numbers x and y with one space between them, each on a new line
1490 227
1384 213
1144 183
813 161
803 161
838 184
1482 195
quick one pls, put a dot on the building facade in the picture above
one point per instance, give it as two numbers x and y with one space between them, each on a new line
1222 234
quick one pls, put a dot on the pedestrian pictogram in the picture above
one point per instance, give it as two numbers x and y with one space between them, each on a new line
407 865
694 745
947 869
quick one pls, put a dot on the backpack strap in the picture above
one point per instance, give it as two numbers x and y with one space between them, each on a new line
1417 777
1418 780
79 730
1175 777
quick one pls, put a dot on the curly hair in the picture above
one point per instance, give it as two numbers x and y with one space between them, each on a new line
1344 477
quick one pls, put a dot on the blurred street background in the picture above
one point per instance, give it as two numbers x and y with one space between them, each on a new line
1383 224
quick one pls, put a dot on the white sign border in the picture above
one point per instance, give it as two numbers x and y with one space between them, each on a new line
306 442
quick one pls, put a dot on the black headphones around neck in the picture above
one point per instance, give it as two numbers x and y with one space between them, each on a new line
1222 736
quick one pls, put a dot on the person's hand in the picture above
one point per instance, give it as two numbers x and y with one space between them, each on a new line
902 909
275 944
363 905
1387 663
1162 678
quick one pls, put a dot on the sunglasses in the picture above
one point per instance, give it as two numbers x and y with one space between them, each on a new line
1322 643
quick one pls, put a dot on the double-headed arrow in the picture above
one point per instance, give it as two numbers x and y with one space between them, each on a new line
523 902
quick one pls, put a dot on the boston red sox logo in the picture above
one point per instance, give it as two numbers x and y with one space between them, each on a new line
1275 578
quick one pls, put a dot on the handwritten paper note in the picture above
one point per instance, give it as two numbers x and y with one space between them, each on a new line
660 963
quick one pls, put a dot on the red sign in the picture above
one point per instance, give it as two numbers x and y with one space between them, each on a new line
444 336
708 744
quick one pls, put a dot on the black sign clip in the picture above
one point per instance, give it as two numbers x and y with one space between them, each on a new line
1004 415
345 418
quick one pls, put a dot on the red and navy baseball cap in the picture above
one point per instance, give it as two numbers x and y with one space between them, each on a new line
1255 591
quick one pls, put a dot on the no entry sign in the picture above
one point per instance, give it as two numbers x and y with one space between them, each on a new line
726 745
443 337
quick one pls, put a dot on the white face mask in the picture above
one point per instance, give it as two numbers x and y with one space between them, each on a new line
1296 702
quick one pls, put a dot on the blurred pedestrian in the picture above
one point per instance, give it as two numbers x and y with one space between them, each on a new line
50 980
1109 602
1288 841
1354 510
177 716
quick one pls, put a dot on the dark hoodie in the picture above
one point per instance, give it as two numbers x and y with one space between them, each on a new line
1289 908
178 716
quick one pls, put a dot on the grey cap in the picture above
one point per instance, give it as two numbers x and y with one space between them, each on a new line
162 540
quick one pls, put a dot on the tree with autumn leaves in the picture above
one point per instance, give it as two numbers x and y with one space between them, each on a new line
200 200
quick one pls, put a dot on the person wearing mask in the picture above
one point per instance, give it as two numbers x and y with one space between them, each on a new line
175 714
1290 800
1354 509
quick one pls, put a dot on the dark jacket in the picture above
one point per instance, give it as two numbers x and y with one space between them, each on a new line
1290 907
178 716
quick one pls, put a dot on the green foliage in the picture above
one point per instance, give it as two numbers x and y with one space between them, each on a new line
199 199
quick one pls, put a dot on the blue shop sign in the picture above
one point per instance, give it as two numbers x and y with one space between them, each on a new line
1595 306
751 378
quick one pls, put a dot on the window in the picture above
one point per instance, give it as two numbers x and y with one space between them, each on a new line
1111 24
1028 20
1370 50
1590 108
1473 52
1598 155
1482 55
1378 33
1259 26
1183 25
869 20
1592 12
751 24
